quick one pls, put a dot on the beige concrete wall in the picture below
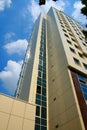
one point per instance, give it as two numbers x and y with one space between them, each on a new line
15 114
63 107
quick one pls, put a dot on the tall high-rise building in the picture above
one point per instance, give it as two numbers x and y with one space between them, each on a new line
52 88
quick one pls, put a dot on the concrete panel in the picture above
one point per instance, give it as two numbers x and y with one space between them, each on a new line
4 118
5 104
28 125
30 112
15 123
18 108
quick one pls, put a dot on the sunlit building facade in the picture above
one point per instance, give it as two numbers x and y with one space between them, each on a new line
52 87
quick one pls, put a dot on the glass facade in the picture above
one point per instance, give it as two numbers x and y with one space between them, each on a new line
41 104
83 84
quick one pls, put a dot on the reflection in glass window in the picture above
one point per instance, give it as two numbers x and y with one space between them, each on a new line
38 96
85 66
43 122
83 85
38 89
43 128
76 61
43 112
44 91
69 42
37 120
81 77
37 127
38 102
37 110
72 50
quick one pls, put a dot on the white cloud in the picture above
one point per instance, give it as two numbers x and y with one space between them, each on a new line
77 13
5 4
8 36
16 47
35 9
10 75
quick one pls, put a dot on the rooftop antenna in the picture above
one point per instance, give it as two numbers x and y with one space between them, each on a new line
42 2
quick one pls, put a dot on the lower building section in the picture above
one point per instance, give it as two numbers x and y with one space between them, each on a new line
16 114
67 108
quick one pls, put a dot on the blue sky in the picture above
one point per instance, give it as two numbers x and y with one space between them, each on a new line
17 19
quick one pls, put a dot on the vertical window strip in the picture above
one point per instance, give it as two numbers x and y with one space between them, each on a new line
41 113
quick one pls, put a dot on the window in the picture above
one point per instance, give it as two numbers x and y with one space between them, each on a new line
44 64
38 96
66 35
39 79
39 73
37 127
77 33
43 104
85 66
44 76
84 44
85 96
44 81
80 55
39 82
73 40
80 77
64 30
37 110
43 122
69 42
44 91
83 85
71 34
72 50
43 84
40 62
43 112
38 89
68 29
38 102
43 98
80 38
41 53
76 61
62 26
43 128
61 22
84 90
37 120
76 46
